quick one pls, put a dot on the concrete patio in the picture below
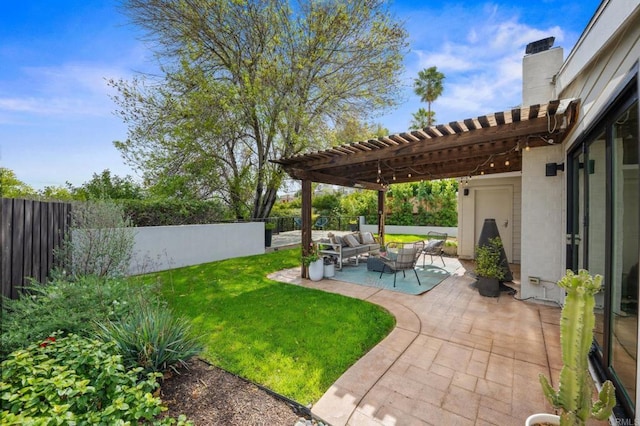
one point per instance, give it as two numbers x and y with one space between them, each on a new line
454 358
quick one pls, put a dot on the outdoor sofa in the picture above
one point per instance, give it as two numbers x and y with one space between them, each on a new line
348 246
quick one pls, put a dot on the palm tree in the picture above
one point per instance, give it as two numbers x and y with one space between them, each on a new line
422 118
429 87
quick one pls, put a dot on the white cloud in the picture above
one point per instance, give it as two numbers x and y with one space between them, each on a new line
480 53
71 90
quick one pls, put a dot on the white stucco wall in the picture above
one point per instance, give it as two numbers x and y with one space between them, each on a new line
159 248
538 74
543 224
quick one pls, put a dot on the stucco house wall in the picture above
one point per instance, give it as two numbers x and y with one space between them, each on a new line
614 36
543 224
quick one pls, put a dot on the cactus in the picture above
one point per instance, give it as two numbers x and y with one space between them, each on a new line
574 395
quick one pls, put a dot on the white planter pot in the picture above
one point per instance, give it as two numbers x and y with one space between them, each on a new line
542 418
329 270
316 270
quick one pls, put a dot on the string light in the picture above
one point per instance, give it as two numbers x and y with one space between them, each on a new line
490 161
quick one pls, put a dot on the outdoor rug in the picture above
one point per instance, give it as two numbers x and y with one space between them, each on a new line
430 277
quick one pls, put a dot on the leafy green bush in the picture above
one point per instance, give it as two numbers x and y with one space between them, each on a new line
326 204
151 338
488 260
174 212
75 380
63 305
100 242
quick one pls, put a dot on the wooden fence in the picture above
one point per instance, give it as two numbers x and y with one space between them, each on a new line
29 233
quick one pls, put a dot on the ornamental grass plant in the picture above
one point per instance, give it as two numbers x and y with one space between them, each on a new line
64 305
151 338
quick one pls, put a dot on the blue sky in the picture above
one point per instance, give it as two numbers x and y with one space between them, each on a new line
56 116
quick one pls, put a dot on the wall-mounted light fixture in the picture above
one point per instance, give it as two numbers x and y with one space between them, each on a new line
552 168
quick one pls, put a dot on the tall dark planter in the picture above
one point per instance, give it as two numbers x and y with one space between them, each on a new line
489 231
488 287
267 237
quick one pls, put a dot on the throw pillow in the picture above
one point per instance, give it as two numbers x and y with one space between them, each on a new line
433 244
351 240
367 238
340 240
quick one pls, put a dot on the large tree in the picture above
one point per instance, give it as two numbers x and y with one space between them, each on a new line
12 187
245 82
105 186
429 87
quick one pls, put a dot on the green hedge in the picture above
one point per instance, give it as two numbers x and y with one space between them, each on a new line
174 212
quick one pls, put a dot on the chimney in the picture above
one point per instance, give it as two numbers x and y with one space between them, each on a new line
540 65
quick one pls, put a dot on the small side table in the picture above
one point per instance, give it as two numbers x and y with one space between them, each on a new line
375 264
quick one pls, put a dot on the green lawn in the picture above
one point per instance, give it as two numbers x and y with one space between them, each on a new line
293 340
403 238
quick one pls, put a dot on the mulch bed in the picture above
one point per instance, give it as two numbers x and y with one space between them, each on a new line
210 396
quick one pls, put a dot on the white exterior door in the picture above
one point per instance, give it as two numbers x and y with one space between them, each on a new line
496 203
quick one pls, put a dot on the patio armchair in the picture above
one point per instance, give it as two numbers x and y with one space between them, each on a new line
321 222
434 246
402 257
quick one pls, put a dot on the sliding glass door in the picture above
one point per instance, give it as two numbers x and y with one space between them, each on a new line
623 312
604 235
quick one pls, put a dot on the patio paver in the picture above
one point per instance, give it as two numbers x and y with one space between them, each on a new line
454 358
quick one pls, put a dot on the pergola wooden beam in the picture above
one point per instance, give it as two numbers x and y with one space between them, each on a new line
484 145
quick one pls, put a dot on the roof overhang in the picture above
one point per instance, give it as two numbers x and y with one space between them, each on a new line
484 145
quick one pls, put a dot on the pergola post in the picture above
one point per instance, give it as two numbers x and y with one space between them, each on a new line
306 221
381 216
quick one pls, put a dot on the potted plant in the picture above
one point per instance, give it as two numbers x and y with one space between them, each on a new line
268 233
353 225
489 268
574 395
314 264
329 266
451 248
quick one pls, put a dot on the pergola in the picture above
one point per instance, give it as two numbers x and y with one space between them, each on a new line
477 146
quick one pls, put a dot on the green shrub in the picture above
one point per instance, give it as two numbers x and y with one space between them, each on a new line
100 242
72 307
488 260
75 380
151 338
174 212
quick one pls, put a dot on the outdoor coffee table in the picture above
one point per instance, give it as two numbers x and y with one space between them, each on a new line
374 263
